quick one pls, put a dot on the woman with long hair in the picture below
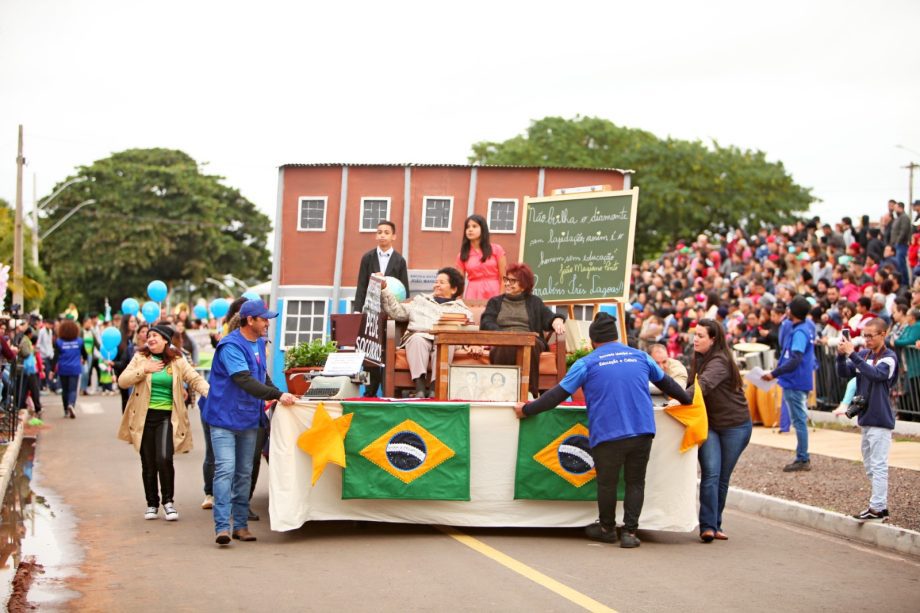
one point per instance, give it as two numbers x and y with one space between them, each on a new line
69 355
124 354
480 261
715 371
156 420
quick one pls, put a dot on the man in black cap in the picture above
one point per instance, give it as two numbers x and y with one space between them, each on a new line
621 421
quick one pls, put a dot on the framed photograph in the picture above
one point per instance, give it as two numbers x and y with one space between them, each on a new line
489 383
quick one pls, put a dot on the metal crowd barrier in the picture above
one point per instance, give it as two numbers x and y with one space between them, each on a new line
905 397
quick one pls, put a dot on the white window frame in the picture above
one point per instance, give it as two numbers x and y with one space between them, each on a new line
389 202
288 301
300 200
516 202
450 213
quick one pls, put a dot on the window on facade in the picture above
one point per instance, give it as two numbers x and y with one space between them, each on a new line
580 312
304 321
373 211
437 213
503 216
311 214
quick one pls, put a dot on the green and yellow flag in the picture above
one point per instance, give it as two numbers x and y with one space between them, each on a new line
407 450
554 457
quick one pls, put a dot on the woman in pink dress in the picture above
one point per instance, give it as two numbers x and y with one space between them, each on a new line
482 262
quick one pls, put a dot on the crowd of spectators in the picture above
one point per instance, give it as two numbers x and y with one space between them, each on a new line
850 273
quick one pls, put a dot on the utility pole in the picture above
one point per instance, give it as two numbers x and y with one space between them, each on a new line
17 228
910 185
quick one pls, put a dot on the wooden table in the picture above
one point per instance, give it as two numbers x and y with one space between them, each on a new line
524 341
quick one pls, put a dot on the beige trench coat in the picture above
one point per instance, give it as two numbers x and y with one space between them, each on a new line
132 422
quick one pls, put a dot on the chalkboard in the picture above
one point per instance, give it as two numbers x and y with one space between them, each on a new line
580 246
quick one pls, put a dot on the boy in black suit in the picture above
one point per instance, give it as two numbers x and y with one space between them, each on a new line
382 259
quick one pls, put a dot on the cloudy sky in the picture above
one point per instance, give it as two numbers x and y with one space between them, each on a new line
829 88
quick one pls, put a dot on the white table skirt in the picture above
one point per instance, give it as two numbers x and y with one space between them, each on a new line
670 486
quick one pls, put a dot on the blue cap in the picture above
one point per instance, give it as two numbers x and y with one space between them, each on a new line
256 308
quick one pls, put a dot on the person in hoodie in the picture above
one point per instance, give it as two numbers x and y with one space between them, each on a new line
876 372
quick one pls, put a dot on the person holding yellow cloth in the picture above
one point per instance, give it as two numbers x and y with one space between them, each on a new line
714 370
156 418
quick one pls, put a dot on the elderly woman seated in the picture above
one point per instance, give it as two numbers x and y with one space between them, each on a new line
518 310
422 313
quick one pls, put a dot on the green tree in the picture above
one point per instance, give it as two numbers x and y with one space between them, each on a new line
686 187
34 279
155 216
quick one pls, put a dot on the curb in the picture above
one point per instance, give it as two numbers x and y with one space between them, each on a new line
10 454
900 426
883 536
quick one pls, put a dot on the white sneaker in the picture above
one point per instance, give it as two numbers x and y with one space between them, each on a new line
150 513
208 502
171 513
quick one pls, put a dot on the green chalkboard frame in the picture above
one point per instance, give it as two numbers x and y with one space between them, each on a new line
538 210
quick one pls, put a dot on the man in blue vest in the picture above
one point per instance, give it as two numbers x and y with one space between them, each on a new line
795 374
240 385
621 422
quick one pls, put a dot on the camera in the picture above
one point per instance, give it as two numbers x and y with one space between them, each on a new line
857 406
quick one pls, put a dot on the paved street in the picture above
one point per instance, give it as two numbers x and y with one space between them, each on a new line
130 564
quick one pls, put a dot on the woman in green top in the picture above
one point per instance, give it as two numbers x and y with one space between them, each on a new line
156 418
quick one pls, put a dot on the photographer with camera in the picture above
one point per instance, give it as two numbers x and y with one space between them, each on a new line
876 371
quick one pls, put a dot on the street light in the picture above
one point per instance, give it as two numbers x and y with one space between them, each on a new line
38 206
70 214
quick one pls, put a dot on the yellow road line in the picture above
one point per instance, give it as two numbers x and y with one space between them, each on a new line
522 569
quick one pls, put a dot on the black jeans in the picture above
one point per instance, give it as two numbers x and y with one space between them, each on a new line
157 457
632 455
31 386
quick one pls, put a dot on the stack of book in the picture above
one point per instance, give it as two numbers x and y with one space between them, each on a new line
450 321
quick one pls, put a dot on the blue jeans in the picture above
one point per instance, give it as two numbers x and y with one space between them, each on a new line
798 412
207 467
900 252
718 456
233 451
784 420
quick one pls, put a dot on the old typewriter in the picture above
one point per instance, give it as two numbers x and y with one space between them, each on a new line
342 377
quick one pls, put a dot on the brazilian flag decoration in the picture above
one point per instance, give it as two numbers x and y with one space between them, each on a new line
407 450
554 457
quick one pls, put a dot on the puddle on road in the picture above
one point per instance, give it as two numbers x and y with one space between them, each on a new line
37 529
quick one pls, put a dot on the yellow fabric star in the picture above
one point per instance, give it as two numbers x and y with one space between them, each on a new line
693 417
325 440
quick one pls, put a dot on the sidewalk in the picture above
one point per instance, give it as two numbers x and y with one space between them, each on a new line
837 444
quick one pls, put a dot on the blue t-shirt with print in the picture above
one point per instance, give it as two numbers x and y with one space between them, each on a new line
615 381
233 359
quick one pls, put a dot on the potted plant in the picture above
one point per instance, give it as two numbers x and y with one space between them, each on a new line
304 358
571 358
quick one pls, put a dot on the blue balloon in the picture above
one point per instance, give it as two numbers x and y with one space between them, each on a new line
396 288
157 291
111 337
200 311
130 306
109 352
219 307
151 312
251 295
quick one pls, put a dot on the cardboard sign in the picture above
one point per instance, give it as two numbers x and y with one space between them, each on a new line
372 330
